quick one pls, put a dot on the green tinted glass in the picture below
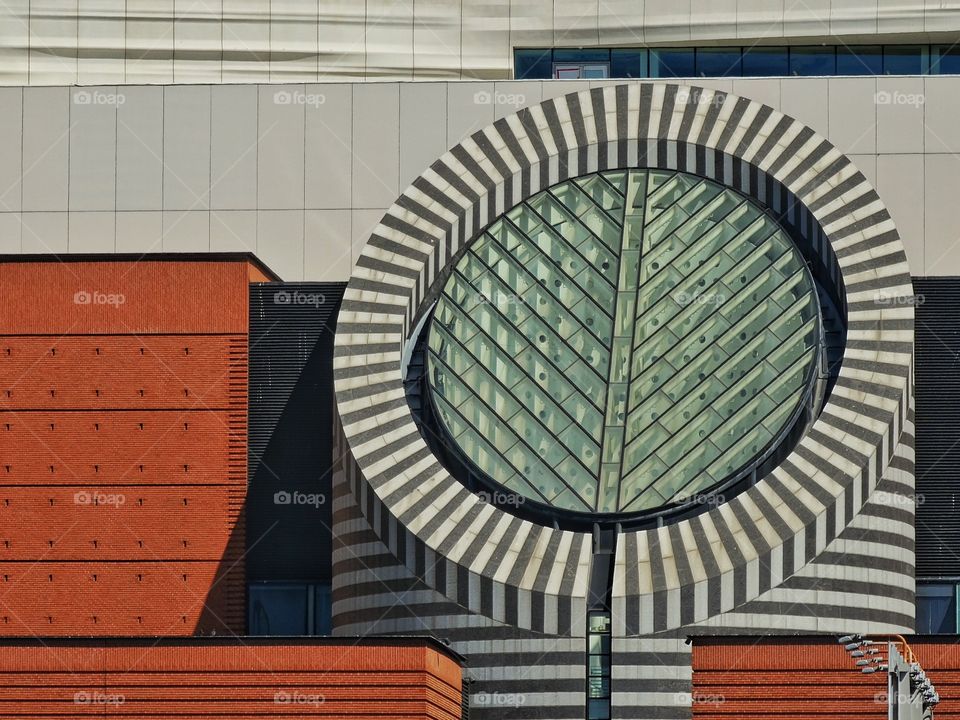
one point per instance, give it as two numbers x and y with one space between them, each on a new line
623 341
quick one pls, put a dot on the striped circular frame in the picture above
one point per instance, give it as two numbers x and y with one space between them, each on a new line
514 570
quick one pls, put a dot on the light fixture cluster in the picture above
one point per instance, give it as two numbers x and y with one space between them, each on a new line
873 655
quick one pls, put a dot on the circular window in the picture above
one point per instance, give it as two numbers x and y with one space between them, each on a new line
623 342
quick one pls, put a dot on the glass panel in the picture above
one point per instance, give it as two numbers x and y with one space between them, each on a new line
719 62
945 60
672 63
567 72
936 608
596 71
581 55
623 340
814 60
765 61
905 60
277 609
628 63
860 60
534 64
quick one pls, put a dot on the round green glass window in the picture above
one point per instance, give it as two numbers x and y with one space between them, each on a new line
624 341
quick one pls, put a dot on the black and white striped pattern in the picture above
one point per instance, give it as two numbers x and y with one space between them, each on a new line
532 577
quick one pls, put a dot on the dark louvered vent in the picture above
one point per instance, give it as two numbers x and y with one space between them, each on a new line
290 437
937 369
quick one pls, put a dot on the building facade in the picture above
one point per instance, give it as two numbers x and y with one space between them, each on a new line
626 349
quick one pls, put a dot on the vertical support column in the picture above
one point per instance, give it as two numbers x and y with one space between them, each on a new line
624 319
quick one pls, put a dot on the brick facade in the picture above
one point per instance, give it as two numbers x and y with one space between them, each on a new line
123 417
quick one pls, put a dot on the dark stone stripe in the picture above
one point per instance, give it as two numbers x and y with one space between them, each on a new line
372 411
883 238
753 129
556 132
364 306
600 125
808 161
790 151
710 119
371 263
367 349
392 246
434 193
359 283
732 122
408 203
833 194
533 134
371 369
849 207
622 94
776 133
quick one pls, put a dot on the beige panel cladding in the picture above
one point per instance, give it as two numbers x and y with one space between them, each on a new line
302 173
46 42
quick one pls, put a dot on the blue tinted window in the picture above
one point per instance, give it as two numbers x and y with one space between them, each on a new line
533 64
719 62
945 60
936 609
904 60
278 610
813 60
628 63
578 55
323 610
860 60
672 63
763 62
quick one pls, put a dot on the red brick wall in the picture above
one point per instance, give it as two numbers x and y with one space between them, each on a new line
782 678
806 678
123 411
228 680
